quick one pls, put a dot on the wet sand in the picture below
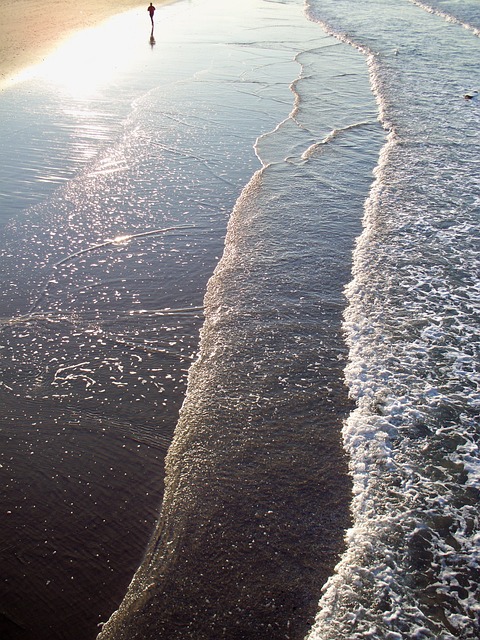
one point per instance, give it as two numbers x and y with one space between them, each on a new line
30 30
80 494
85 485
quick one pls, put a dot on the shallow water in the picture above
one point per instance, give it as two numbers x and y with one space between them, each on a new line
257 495
114 209
115 199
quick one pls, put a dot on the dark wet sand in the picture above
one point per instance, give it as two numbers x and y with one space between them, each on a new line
78 505
80 496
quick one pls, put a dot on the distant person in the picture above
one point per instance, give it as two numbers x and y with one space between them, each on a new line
151 11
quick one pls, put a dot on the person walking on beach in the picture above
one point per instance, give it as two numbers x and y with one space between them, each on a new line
151 11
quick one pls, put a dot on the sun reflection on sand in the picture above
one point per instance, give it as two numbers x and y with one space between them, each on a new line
90 58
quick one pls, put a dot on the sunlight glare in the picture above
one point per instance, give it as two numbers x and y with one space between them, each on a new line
121 239
90 58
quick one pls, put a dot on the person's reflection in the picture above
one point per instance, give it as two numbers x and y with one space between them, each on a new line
152 39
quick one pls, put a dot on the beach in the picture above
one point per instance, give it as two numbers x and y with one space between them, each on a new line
238 320
121 166
123 160
31 29
80 495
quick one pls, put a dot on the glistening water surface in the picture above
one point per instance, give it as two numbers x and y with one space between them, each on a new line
115 200
257 491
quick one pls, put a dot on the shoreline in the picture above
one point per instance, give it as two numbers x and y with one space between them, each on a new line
31 31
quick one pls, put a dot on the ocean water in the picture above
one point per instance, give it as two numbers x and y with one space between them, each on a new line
411 566
239 326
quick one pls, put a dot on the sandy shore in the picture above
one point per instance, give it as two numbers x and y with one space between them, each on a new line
31 29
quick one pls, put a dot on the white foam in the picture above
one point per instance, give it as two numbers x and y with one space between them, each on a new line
413 342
